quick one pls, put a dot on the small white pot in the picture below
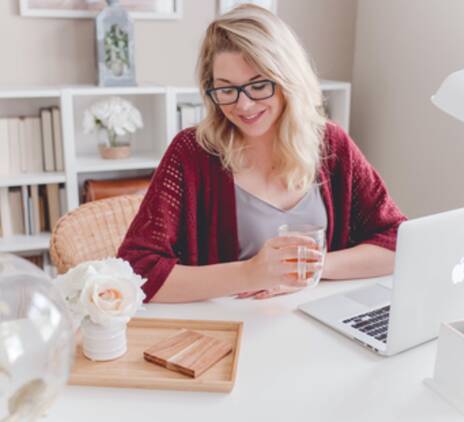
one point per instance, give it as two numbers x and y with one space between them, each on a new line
100 343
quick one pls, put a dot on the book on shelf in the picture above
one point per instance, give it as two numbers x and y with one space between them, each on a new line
34 209
4 148
47 139
324 109
43 210
22 145
57 138
11 212
189 114
31 210
63 201
53 204
14 146
31 144
26 213
5 216
16 211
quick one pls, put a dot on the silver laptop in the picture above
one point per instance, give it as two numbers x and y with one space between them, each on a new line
427 288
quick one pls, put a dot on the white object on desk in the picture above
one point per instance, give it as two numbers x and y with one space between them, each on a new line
426 289
448 379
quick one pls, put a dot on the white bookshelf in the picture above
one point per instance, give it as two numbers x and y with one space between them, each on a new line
32 179
337 96
23 243
158 105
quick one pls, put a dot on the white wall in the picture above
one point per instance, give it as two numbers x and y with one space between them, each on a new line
403 51
61 51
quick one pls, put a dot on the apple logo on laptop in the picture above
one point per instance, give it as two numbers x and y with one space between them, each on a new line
457 275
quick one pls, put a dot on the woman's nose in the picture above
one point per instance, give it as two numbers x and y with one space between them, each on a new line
243 101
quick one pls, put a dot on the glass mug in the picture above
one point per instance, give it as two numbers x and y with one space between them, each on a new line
318 235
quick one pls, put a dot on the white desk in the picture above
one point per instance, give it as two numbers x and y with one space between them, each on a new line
290 368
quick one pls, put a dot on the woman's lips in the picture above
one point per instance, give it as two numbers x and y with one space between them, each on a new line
251 118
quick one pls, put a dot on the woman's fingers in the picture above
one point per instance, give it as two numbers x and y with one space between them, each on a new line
277 291
265 294
245 295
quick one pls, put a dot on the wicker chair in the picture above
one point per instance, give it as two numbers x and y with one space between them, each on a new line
93 231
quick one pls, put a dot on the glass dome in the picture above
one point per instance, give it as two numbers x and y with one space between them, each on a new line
36 340
14 265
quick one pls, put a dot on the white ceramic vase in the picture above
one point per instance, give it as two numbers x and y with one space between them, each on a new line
101 343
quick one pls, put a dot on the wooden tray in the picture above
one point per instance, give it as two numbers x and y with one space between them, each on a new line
132 370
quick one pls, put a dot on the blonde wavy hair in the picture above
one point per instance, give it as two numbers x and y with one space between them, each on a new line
270 45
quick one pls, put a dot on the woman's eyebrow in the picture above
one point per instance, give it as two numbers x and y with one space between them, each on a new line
229 82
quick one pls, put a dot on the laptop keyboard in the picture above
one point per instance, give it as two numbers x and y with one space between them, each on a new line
373 323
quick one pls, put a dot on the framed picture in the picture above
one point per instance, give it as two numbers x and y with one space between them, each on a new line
226 5
138 9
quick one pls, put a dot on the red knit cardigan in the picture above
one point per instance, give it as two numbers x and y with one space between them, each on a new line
188 215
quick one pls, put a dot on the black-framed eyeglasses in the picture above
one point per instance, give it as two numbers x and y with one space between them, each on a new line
256 90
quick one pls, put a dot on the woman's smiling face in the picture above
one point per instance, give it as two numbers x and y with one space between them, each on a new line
253 118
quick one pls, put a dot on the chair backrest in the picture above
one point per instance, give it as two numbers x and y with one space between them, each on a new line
93 231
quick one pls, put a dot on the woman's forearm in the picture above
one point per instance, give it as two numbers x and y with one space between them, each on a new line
360 261
193 283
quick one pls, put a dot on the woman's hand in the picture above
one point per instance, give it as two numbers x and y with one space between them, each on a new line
266 294
276 263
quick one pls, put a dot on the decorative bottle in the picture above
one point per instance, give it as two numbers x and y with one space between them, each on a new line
115 46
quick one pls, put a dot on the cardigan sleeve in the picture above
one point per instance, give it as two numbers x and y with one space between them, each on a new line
374 216
150 242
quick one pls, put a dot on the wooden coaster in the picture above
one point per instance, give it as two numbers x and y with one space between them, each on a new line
188 352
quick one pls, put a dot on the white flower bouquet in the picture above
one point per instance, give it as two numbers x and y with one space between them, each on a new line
116 115
108 292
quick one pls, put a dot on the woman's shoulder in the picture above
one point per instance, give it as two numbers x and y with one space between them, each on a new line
185 152
337 147
185 144
335 137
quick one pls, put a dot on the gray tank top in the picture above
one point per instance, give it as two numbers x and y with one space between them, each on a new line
258 221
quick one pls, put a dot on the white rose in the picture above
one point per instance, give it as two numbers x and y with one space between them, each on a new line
70 286
108 291
111 301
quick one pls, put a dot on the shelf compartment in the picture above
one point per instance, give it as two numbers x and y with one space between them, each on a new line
152 106
92 90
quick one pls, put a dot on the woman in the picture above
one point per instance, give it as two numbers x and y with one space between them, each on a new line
264 152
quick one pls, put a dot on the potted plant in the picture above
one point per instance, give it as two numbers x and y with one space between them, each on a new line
102 296
115 120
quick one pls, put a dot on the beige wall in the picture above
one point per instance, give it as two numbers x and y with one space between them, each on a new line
61 51
404 49
395 52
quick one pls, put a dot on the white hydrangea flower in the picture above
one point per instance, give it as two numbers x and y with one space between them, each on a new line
115 114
